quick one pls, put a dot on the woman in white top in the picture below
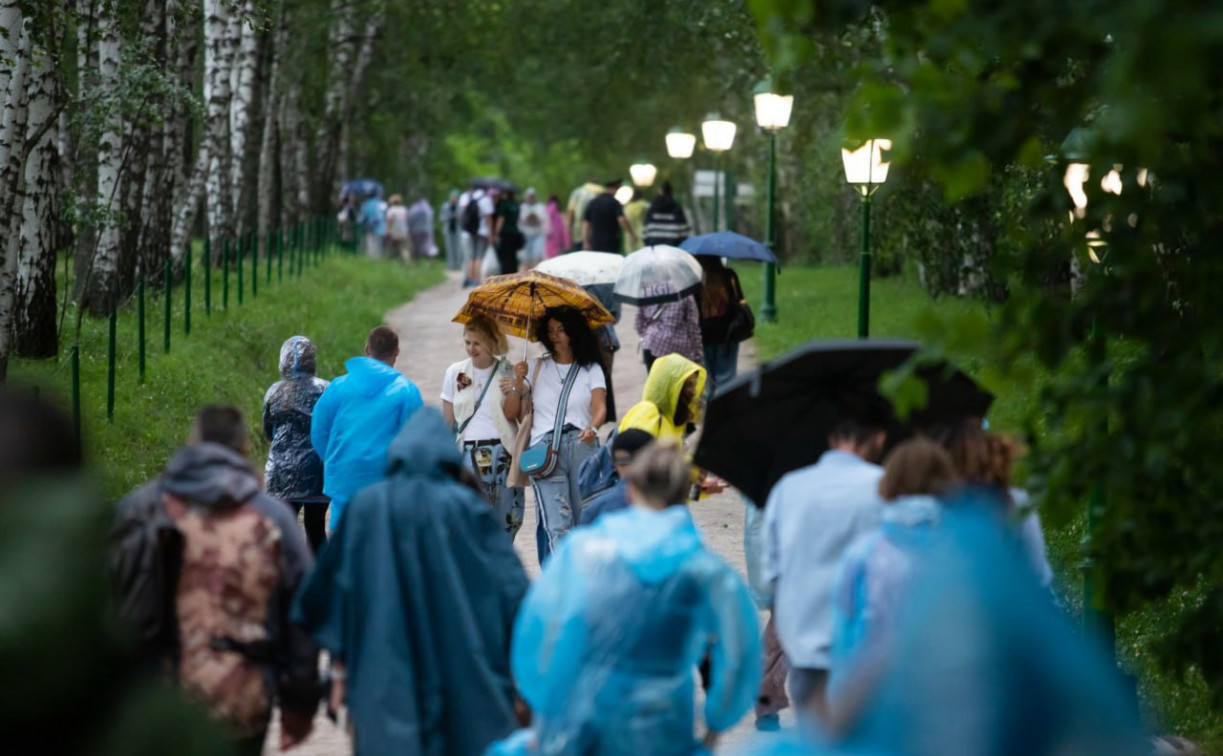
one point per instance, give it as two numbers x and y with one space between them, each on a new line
571 346
485 416
533 222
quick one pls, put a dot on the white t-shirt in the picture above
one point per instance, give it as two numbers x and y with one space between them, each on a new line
481 427
487 208
546 395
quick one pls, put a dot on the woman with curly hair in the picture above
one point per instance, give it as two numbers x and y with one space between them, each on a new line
570 369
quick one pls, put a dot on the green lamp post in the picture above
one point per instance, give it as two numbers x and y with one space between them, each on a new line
865 171
772 114
718 136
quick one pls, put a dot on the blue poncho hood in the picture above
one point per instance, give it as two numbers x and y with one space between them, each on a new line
417 451
367 376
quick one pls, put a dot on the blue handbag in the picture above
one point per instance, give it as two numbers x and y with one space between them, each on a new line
540 460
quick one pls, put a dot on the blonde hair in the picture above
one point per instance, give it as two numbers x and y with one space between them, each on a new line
660 474
486 329
915 467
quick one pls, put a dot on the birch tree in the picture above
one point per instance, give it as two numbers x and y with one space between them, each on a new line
102 284
219 49
12 178
242 77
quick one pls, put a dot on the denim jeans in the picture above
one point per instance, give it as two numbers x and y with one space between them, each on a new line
558 502
721 360
506 502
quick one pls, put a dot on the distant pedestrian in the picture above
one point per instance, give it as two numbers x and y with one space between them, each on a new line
669 327
449 218
373 221
220 562
634 213
397 229
665 221
671 399
481 403
720 293
575 211
533 222
559 240
358 415
608 638
476 222
603 221
420 230
415 598
507 237
294 472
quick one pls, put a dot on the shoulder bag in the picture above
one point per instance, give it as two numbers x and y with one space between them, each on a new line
458 431
540 460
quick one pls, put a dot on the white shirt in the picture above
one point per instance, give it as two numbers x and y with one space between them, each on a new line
487 208
812 517
536 210
546 395
481 427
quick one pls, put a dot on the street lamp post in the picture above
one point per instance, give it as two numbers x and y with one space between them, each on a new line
718 135
865 170
773 114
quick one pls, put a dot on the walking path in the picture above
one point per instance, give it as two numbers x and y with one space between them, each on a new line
429 343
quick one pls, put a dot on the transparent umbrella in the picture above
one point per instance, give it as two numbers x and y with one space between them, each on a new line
657 274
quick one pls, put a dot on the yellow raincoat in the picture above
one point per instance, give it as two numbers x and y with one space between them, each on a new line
655 413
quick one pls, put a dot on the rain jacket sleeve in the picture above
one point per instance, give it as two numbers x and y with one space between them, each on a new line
322 419
736 657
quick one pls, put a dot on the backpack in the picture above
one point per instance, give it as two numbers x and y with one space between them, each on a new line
471 217
146 556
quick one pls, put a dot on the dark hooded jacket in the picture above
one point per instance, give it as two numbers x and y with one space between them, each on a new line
294 471
147 548
417 592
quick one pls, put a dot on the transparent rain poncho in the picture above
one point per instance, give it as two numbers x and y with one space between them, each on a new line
607 642
294 470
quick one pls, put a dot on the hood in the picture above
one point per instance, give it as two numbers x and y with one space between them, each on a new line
912 511
655 544
367 376
297 356
210 475
665 381
424 446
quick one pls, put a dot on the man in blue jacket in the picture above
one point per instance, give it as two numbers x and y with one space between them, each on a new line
358 415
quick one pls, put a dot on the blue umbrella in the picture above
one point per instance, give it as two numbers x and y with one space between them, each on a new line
728 244
361 188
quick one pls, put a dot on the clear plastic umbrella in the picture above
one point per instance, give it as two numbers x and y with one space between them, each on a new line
584 268
657 274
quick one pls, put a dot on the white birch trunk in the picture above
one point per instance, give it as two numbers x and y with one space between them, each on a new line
12 179
218 62
188 181
102 286
330 167
243 78
35 334
270 143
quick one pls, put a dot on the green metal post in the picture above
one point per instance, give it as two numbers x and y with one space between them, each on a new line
110 367
292 251
768 308
300 233
74 357
254 265
240 268
864 271
187 293
167 302
717 189
225 276
280 254
267 252
208 276
140 323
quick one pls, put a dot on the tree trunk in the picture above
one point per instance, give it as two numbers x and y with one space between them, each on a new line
85 161
187 189
156 182
35 303
329 139
269 148
218 62
241 124
102 286
12 180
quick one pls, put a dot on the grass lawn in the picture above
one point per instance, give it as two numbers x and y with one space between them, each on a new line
229 357
821 303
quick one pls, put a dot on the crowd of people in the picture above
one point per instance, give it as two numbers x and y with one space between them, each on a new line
400 599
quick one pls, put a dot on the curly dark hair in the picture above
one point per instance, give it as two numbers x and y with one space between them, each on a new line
581 339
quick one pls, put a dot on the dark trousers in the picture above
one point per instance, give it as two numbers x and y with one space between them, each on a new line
649 358
507 251
315 520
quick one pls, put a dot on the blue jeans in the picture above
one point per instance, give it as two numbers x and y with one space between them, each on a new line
722 362
506 502
558 501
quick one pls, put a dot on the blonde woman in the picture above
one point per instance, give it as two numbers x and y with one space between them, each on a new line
481 403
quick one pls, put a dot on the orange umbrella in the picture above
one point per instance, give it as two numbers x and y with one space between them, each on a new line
517 300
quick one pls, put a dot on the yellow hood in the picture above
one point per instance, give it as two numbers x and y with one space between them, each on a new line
655 413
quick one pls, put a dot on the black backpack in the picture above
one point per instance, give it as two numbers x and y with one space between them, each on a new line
471 217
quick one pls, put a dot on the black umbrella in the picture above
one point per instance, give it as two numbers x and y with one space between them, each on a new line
776 419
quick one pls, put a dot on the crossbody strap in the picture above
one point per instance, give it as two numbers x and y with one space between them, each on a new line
459 431
563 407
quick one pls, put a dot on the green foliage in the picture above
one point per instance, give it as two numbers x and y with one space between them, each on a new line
230 357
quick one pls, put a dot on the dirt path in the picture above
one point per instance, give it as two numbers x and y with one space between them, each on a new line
429 343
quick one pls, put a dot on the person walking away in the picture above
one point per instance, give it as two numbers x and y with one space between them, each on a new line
603 221
559 240
670 401
294 472
449 218
397 229
506 235
373 220
533 222
665 221
415 598
570 369
358 415
420 230
210 564
477 219
608 637
669 327
624 448
481 403
876 570
634 213
812 516
575 211
720 294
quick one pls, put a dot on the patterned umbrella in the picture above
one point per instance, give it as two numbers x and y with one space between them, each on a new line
517 300
584 268
657 274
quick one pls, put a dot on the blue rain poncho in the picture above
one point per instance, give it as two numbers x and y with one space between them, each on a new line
294 470
983 664
607 641
416 592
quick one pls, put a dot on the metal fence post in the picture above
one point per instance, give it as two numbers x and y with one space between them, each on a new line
140 322
208 276
110 367
166 297
254 264
240 267
225 276
187 293
74 357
